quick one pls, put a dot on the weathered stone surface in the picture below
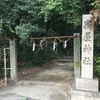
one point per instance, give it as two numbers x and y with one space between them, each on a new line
76 54
65 60
86 87
87 84
84 95
87 48
78 97
12 97
13 60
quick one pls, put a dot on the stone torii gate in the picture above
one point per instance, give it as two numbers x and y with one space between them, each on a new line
13 55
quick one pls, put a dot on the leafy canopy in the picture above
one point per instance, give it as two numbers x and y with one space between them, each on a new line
96 4
34 18
21 18
67 9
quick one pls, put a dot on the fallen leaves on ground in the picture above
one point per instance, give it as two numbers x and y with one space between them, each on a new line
27 71
2 84
35 69
61 86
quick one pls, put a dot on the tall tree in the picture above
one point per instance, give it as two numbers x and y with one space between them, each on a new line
36 18
30 18
21 18
65 15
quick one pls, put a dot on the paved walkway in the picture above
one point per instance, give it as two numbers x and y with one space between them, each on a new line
53 83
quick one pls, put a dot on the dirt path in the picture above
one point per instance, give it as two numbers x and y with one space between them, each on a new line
55 73
51 83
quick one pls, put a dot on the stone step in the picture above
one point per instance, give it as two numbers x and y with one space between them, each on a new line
65 60
65 64
67 57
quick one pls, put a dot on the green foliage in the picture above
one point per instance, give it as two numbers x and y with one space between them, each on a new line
25 30
23 99
78 64
97 43
97 66
96 4
97 40
8 16
33 18
97 53
21 18
67 9
31 58
37 18
50 6
44 55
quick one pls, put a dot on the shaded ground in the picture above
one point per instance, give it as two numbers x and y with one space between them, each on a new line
53 73
48 83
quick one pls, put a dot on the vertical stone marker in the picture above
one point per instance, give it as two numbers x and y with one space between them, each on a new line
13 60
87 48
86 82
86 87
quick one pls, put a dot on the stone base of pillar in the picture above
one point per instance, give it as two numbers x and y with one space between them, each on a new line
84 95
87 84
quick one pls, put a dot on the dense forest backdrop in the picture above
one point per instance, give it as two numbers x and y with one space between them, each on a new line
24 19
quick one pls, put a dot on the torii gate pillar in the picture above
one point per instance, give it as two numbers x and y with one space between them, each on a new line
13 60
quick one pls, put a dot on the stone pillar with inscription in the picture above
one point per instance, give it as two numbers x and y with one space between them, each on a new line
86 82
86 87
